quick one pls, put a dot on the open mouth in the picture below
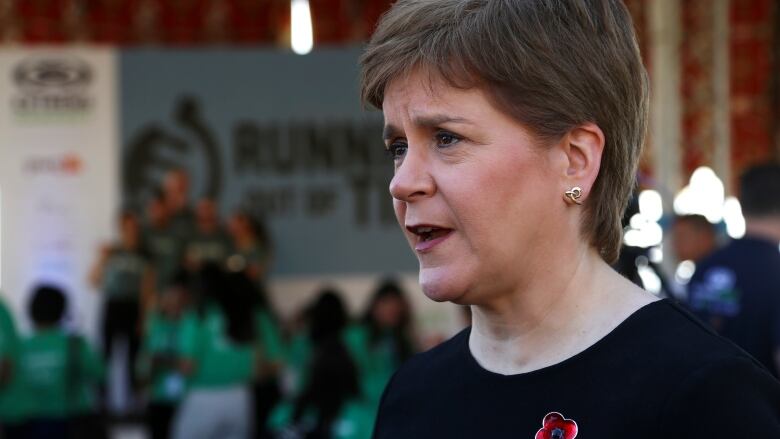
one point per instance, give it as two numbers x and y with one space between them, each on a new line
429 233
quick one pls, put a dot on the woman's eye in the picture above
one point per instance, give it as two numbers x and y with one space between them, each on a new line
396 150
445 139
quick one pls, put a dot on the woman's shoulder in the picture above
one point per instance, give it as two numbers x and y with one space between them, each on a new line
731 397
437 363
666 330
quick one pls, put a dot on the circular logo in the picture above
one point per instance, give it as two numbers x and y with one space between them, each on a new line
52 74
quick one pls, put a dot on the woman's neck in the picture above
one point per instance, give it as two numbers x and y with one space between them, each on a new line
555 316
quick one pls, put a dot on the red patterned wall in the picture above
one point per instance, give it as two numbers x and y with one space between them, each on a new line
639 13
753 120
697 87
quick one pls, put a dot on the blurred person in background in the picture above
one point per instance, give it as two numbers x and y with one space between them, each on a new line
383 339
124 276
10 415
161 243
159 358
270 353
693 238
251 246
326 400
515 129
176 194
737 288
58 372
209 242
218 345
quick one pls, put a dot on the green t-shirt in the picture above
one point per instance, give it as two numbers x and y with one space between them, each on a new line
254 259
376 363
165 254
58 374
182 223
8 335
374 367
269 337
158 359
354 421
218 361
203 248
9 345
297 360
123 274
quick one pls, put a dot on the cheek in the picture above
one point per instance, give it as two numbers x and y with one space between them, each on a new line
400 211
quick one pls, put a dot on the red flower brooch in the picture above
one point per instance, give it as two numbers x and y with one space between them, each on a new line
555 426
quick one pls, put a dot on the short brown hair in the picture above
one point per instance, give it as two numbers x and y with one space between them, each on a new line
551 64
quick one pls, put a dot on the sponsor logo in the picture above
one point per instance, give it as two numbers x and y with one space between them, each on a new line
67 164
52 86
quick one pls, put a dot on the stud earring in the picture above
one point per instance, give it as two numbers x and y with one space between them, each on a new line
573 195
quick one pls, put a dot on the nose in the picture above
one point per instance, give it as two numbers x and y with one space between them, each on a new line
412 180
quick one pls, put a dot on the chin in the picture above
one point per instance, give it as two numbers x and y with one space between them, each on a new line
442 285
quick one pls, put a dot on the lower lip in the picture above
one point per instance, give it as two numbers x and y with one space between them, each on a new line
426 246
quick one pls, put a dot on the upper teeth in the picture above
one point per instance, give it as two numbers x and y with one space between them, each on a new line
424 229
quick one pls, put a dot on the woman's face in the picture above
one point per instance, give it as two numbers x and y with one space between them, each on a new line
478 200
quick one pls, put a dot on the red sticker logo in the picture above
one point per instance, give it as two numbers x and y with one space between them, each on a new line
555 426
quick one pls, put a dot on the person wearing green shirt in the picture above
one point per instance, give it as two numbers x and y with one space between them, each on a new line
382 340
10 415
8 342
252 246
159 357
326 399
176 197
266 391
210 242
124 276
220 350
161 242
58 373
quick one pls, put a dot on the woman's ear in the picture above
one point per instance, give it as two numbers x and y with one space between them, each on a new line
582 147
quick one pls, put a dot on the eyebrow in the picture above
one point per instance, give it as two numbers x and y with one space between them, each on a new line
390 131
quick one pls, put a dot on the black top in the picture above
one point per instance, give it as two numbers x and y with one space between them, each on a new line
737 291
659 374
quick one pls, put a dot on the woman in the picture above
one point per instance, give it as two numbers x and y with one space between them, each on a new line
159 356
124 275
251 244
266 390
383 341
217 344
326 402
515 128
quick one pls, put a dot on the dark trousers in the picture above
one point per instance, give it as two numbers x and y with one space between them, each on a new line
76 427
158 419
47 428
121 320
13 431
266 395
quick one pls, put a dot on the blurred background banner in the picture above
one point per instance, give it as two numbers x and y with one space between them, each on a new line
58 169
279 135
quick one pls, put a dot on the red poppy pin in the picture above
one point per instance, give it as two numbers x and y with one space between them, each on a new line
555 426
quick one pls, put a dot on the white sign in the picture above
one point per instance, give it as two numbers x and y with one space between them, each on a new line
58 172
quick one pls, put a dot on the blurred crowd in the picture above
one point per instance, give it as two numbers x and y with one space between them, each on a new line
206 354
